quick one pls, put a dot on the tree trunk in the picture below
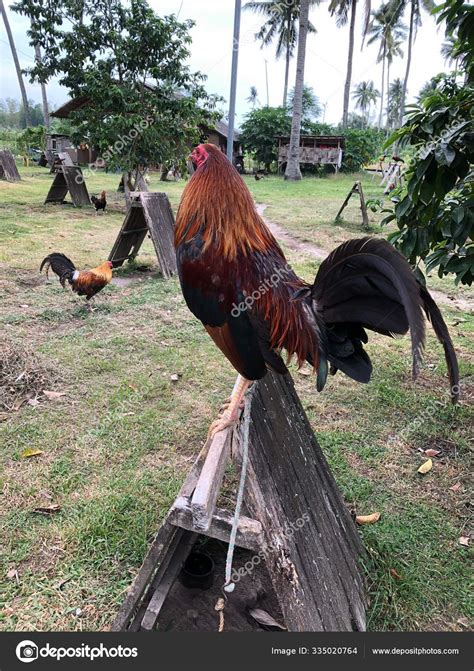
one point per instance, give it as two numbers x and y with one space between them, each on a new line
293 166
19 74
43 90
350 53
387 121
287 73
382 95
407 71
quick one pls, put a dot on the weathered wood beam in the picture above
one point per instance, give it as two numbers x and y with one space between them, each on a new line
249 531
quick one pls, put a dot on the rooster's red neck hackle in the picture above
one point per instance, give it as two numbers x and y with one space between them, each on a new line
217 205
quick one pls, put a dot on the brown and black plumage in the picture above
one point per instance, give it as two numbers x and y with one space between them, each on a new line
86 283
227 258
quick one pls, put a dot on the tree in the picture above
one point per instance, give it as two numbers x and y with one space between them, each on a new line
19 73
44 96
253 97
293 171
260 130
311 107
435 210
394 102
341 9
416 6
386 28
281 23
365 95
458 17
145 104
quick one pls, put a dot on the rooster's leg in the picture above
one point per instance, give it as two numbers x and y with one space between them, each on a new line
232 409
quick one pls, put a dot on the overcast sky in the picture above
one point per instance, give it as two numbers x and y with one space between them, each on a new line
212 49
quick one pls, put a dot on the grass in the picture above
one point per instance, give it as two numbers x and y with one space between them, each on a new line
116 446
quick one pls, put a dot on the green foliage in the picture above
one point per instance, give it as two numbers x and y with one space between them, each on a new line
260 130
12 114
146 105
435 214
311 107
32 138
459 18
362 146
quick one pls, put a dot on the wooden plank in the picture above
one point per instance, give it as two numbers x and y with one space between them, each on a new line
312 546
363 207
77 186
58 189
249 531
160 222
348 197
169 571
207 488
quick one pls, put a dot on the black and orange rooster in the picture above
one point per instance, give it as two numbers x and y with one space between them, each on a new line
86 283
100 203
236 280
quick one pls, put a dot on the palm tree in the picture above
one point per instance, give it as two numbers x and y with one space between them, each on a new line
395 92
447 49
394 49
293 171
416 6
281 23
341 9
253 97
310 106
387 29
365 95
19 74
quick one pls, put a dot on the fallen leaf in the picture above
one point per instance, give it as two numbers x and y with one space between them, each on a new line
33 402
432 453
48 510
368 519
456 487
464 540
30 452
264 618
13 575
174 377
426 467
396 575
53 394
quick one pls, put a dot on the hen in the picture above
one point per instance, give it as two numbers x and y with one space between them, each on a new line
236 280
86 283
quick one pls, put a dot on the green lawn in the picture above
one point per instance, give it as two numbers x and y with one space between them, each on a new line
116 446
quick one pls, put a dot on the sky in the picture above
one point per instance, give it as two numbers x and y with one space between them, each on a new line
211 53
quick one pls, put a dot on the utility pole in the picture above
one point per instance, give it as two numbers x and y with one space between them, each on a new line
233 80
266 78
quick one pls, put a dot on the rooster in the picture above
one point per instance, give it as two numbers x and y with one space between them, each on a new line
100 203
86 283
236 280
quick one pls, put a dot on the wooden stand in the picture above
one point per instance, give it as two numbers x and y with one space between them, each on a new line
69 178
298 522
357 188
148 213
8 169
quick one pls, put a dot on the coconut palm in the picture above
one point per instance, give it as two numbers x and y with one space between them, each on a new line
293 171
395 92
281 23
365 95
19 74
341 9
387 29
416 6
253 97
447 49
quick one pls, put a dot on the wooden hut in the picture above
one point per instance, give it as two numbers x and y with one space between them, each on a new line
314 150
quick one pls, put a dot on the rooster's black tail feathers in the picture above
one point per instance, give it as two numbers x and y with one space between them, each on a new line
61 265
367 284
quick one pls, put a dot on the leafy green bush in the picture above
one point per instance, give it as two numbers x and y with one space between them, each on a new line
435 214
260 130
362 146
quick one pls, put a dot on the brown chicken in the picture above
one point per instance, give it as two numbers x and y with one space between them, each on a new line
236 280
86 283
100 203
